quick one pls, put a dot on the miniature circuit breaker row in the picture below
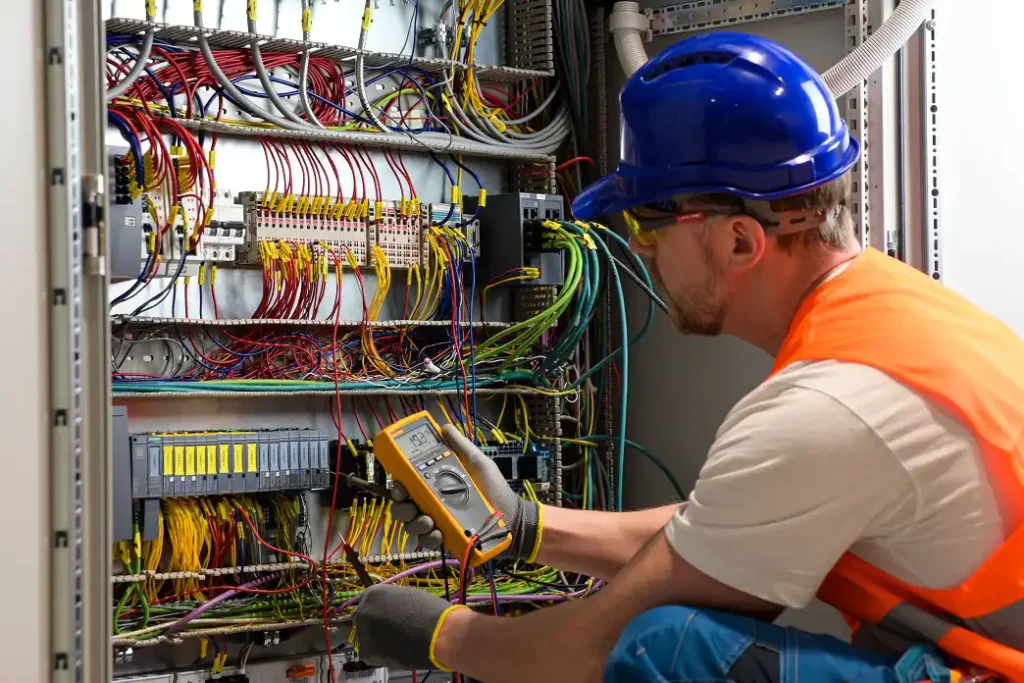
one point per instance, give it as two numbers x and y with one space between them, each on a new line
166 465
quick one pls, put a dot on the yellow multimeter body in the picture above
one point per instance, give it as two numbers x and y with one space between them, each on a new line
413 451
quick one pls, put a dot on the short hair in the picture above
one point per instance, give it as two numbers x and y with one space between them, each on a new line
832 201
836 232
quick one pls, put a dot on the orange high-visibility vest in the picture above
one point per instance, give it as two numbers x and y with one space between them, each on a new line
883 314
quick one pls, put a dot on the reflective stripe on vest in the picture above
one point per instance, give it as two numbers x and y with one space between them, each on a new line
883 314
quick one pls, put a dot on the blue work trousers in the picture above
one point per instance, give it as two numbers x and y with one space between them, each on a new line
685 645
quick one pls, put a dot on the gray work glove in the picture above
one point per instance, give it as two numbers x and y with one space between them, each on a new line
522 517
395 626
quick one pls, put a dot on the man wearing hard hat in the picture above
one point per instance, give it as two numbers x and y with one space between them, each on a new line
880 467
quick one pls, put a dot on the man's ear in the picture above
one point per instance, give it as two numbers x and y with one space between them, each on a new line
746 243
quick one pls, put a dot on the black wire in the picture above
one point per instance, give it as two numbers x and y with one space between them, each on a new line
642 285
444 573
556 586
150 303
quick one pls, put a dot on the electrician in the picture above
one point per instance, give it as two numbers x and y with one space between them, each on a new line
879 467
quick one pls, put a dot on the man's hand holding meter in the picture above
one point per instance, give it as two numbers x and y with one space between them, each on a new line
404 627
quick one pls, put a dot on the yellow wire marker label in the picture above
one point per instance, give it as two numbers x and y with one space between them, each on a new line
367 18
150 8
201 460
168 461
251 457
252 10
307 20
211 460
190 461
179 461
225 459
239 460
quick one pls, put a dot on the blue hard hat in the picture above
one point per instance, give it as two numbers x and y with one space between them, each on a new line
724 112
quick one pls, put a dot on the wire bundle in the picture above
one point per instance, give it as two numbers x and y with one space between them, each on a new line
164 78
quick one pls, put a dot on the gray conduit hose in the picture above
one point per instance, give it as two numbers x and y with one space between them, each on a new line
140 62
364 101
229 87
629 28
307 26
268 85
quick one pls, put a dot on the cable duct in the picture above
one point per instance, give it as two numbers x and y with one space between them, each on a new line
629 28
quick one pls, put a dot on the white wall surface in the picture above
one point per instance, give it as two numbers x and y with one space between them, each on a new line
24 630
981 153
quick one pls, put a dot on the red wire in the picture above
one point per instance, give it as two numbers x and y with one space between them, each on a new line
337 470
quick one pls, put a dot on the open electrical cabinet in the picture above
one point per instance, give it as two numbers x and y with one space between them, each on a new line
221 238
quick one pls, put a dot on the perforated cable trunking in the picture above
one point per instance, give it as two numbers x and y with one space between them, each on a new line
707 14
530 35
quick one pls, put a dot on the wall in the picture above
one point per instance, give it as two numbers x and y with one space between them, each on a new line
24 486
980 152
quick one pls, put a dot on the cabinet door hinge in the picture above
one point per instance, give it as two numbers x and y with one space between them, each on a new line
93 223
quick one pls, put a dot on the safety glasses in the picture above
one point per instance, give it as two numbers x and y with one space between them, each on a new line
647 221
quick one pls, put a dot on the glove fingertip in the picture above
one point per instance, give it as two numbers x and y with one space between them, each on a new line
431 541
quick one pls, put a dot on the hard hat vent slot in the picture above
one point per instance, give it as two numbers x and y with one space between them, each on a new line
688 60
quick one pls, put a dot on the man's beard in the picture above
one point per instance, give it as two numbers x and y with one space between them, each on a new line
698 312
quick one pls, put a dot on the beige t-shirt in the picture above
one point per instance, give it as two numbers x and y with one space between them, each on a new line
827 457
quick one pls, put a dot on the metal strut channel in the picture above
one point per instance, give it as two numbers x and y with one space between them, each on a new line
930 150
65 281
854 106
704 14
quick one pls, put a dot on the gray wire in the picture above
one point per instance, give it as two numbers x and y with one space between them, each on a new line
307 108
229 87
140 61
268 85
364 101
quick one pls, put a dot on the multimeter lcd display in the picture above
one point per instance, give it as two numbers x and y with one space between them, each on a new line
418 441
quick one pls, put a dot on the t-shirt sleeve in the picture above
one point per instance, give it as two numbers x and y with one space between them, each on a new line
793 479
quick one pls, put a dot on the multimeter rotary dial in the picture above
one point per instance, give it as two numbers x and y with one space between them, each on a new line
453 487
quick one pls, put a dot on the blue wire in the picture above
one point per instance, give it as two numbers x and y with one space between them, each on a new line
119 122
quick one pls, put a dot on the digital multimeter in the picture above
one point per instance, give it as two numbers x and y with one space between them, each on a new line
414 453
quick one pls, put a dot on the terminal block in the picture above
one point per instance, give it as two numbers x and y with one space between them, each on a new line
398 231
304 221
166 465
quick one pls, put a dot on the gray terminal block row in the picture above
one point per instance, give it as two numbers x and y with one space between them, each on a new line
166 465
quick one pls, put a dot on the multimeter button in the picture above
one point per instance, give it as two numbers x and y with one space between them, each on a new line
427 475
422 466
